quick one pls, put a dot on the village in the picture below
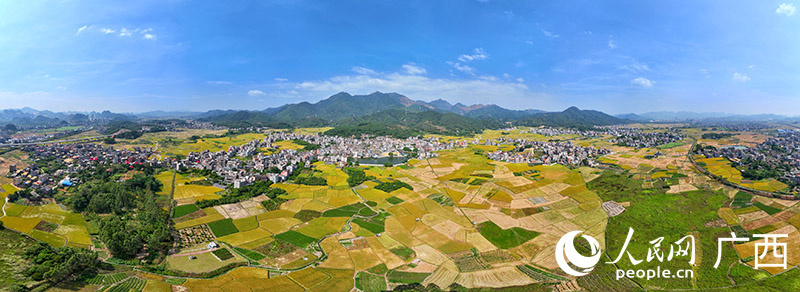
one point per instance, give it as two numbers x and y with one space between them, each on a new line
780 153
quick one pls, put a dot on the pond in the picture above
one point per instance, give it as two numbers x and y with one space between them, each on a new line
735 147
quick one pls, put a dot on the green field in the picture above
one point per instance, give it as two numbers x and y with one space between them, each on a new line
250 254
12 263
223 227
223 254
345 211
741 200
394 200
653 214
131 284
405 277
182 210
370 283
769 209
505 238
296 238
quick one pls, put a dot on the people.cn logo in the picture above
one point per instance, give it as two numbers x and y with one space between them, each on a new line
566 248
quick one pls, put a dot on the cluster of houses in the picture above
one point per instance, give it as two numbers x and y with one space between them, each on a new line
539 152
75 157
278 166
547 131
639 139
623 135
9 139
779 152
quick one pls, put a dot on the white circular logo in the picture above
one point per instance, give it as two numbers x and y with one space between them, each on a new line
566 247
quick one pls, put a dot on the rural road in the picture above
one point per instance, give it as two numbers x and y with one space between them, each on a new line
4 206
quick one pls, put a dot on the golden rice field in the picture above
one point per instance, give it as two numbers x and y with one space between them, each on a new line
722 167
210 144
185 192
71 226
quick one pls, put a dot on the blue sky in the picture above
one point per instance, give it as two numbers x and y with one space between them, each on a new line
614 56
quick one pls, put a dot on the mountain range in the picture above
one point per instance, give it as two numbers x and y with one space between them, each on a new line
378 112
354 113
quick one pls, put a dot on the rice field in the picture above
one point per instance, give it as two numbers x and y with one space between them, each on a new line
185 191
722 167
71 227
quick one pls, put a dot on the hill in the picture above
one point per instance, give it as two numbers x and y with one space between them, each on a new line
573 118
401 123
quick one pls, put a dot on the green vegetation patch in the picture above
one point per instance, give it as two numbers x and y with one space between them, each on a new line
441 199
671 145
131 284
656 214
742 199
394 200
250 254
223 254
539 275
307 215
404 253
183 210
505 238
223 227
379 269
356 176
769 209
370 283
345 211
273 204
105 279
276 248
375 224
296 238
12 263
395 276
393 186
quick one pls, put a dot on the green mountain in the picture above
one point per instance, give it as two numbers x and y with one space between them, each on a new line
352 114
402 123
572 118
343 105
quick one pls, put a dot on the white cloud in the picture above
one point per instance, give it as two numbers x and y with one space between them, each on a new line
703 71
739 77
479 54
256 92
785 9
363 71
462 67
529 42
550 34
81 29
520 80
281 79
413 69
635 67
217 82
611 43
643 82
144 33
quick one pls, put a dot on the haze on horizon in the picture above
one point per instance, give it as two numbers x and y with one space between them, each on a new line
617 57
